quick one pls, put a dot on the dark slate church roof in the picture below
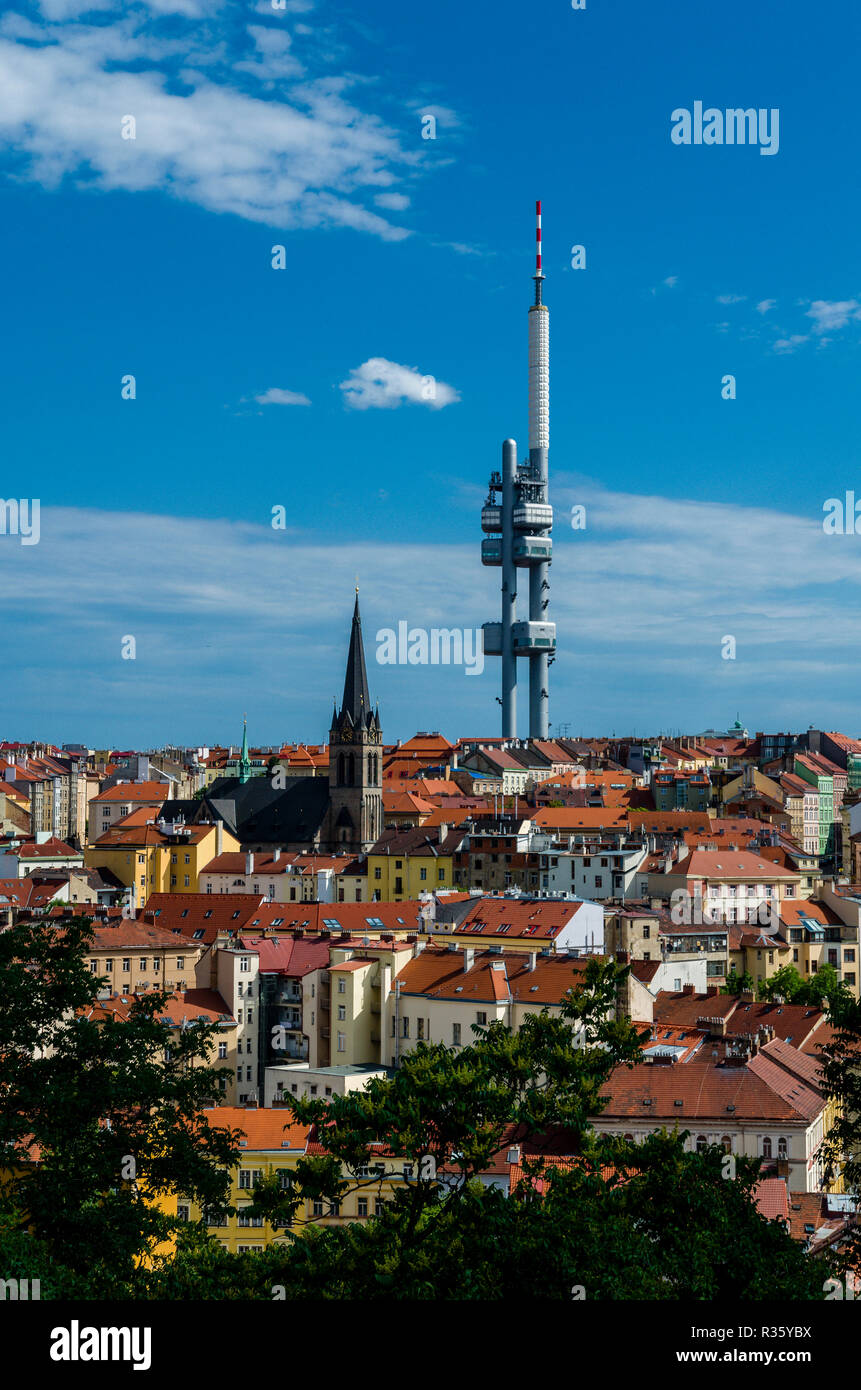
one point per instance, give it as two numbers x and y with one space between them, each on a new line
257 811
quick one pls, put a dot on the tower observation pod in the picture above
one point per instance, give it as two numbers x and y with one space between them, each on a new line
517 520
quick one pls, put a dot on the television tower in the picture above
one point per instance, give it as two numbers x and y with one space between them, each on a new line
518 536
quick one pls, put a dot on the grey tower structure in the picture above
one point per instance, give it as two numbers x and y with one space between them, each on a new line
355 818
518 518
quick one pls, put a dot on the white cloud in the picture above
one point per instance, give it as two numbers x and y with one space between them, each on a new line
832 314
764 305
396 202
671 280
731 298
276 396
381 384
220 609
313 157
788 345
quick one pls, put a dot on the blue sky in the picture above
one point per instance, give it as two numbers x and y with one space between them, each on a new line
302 127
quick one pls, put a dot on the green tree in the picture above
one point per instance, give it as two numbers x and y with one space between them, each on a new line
735 984
786 981
99 1120
621 1220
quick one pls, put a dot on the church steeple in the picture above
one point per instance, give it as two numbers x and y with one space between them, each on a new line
355 756
356 702
244 760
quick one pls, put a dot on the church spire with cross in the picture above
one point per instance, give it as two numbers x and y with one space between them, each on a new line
244 760
355 756
356 702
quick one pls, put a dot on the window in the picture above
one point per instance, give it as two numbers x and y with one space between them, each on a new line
342 1043
406 1027
188 859
782 1148
127 965
342 1012
180 962
702 1144
244 963
481 1017
245 1219
285 1178
362 1206
142 962
378 1206
182 1213
766 1148
93 967
250 1018
222 1051
342 988
317 1207
186 880
455 1034
420 1029
423 873
726 1144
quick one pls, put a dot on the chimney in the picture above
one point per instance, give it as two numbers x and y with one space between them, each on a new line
747 996
219 836
468 958
249 863
533 956
276 855
688 989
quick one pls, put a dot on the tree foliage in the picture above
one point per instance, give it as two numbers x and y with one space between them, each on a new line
99 1120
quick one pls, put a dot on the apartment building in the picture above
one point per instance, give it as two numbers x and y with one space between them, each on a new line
269 1144
405 863
287 877
149 856
137 957
757 1096
527 924
118 801
183 1010
730 885
442 992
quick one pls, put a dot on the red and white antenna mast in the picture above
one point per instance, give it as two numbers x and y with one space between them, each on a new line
539 273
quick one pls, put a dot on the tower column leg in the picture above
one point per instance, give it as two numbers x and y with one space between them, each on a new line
509 592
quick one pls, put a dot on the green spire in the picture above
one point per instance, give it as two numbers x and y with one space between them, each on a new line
244 760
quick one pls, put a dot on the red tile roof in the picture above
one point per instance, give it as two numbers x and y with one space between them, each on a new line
265 1128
